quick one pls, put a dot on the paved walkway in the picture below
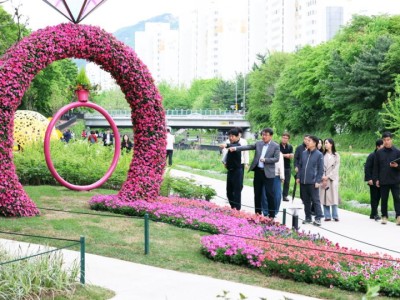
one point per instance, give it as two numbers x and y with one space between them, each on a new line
135 281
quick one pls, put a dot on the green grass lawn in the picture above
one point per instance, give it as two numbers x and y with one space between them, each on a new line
123 238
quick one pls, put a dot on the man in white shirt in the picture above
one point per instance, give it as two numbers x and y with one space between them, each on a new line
170 146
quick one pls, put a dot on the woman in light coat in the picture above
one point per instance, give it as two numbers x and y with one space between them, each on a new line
329 190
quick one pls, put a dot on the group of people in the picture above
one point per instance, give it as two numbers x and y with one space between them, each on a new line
382 174
316 170
107 139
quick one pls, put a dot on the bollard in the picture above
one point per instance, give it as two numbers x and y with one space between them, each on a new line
284 217
82 242
146 234
295 222
295 218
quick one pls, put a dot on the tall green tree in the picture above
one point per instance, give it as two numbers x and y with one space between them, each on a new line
174 97
51 88
201 92
263 87
356 91
297 105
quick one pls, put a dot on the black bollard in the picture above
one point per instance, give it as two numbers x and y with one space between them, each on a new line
295 222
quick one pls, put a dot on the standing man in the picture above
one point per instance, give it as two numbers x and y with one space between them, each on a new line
108 138
244 154
233 164
170 146
287 152
263 166
386 174
374 191
310 171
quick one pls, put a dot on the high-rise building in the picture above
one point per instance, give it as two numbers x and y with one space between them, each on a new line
98 76
222 38
157 46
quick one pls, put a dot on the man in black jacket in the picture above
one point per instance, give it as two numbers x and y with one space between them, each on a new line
386 174
233 163
374 191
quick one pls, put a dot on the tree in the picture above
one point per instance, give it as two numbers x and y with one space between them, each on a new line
201 92
174 97
262 81
50 89
356 91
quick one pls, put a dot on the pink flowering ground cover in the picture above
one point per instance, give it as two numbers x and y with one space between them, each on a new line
257 242
20 64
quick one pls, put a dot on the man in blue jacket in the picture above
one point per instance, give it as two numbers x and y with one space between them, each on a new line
310 171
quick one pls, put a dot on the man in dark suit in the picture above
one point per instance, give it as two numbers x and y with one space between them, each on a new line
263 166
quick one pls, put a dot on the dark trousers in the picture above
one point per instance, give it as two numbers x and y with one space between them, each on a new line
286 183
395 188
375 196
234 187
311 195
243 169
169 156
260 184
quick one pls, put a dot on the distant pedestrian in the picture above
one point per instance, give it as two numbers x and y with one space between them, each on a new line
374 191
386 174
235 172
279 179
92 137
67 135
310 171
329 191
83 134
108 138
126 143
287 152
170 146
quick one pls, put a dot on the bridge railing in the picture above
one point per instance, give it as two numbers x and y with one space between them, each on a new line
180 113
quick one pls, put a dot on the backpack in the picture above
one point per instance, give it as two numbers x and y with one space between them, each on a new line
92 140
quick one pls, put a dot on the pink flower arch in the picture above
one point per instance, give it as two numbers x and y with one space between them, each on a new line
24 60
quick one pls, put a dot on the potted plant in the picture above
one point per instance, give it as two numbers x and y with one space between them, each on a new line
82 86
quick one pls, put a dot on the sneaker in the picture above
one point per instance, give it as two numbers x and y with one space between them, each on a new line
317 222
336 220
307 221
327 220
372 217
398 220
377 218
286 199
384 220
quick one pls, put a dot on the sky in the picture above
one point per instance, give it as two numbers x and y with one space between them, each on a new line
111 15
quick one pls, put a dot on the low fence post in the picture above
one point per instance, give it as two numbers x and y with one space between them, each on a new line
284 217
146 234
82 242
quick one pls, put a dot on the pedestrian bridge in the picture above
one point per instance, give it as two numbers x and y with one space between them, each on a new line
177 118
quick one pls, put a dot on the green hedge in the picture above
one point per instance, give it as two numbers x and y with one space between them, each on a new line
82 163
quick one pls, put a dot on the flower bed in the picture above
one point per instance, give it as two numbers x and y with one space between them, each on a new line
257 242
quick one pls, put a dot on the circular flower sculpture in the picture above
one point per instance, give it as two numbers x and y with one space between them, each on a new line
20 64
